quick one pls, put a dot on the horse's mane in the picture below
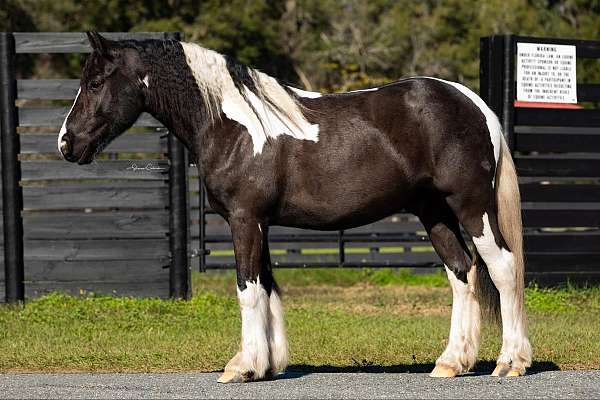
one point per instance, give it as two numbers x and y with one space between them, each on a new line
266 107
229 86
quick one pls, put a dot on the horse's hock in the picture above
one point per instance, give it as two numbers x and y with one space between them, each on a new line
121 225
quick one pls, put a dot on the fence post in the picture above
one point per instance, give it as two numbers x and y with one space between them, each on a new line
202 225
496 79
491 72
179 275
12 196
508 92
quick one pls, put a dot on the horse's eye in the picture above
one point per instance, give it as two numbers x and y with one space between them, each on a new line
95 84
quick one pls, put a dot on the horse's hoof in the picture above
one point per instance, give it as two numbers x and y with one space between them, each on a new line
230 377
501 370
516 372
442 371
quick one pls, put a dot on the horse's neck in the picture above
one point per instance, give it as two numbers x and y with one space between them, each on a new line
193 89
174 99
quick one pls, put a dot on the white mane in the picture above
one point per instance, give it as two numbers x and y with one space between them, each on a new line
268 112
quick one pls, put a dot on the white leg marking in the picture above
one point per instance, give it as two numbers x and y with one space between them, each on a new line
501 266
63 128
463 344
261 121
146 81
278 342
254 304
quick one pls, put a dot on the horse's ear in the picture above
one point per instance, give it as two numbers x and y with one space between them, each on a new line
97 42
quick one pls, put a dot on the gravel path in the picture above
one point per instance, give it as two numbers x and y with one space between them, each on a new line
551 384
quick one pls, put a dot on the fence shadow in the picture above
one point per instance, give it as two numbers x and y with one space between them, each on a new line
481 368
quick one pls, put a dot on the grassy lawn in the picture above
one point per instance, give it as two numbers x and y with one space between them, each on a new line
337 319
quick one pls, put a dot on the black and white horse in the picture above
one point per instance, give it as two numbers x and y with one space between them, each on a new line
271 154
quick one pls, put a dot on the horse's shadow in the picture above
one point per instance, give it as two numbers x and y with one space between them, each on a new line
481 368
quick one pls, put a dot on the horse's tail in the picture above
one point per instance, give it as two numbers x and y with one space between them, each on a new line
508 202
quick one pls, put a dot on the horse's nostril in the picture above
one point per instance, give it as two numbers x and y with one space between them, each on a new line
64 147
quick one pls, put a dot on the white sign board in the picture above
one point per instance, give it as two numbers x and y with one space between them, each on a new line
546 73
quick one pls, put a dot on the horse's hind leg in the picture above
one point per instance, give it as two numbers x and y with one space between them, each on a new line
478 217
444 232
263 347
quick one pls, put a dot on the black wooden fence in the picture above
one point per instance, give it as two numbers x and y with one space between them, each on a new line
110 227
557 154
113 226
399 241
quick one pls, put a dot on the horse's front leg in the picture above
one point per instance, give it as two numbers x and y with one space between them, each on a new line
263 349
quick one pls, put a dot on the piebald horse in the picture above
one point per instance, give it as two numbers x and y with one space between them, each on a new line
272 154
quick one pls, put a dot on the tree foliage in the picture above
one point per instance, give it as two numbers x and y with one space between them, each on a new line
326 44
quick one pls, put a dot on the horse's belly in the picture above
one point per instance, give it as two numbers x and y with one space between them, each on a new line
342 205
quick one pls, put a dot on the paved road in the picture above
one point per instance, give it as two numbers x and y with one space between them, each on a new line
552 384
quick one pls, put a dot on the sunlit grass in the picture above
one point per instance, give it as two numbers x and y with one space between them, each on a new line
335 317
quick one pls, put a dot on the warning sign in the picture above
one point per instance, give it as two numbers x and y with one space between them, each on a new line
546 73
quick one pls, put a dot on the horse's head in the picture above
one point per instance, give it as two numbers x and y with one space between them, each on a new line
110 99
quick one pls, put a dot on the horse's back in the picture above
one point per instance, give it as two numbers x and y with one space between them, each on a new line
416 126
378 150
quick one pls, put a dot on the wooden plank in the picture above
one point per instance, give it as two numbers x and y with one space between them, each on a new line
332 237
561 218
96 271
54 116
563 242
542 180
407 258
70 42
557 142
560 193
97 249
400 260
539 205
129 142
570 262
560 278
50 170
132 289
549 117
564 130
96 196
327 253
560 167
97 225
47 89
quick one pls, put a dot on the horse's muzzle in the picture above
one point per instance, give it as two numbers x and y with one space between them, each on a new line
66 148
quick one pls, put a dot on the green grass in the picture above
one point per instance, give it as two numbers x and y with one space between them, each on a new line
343 318
221 280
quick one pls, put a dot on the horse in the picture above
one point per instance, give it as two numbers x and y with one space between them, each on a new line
272 154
